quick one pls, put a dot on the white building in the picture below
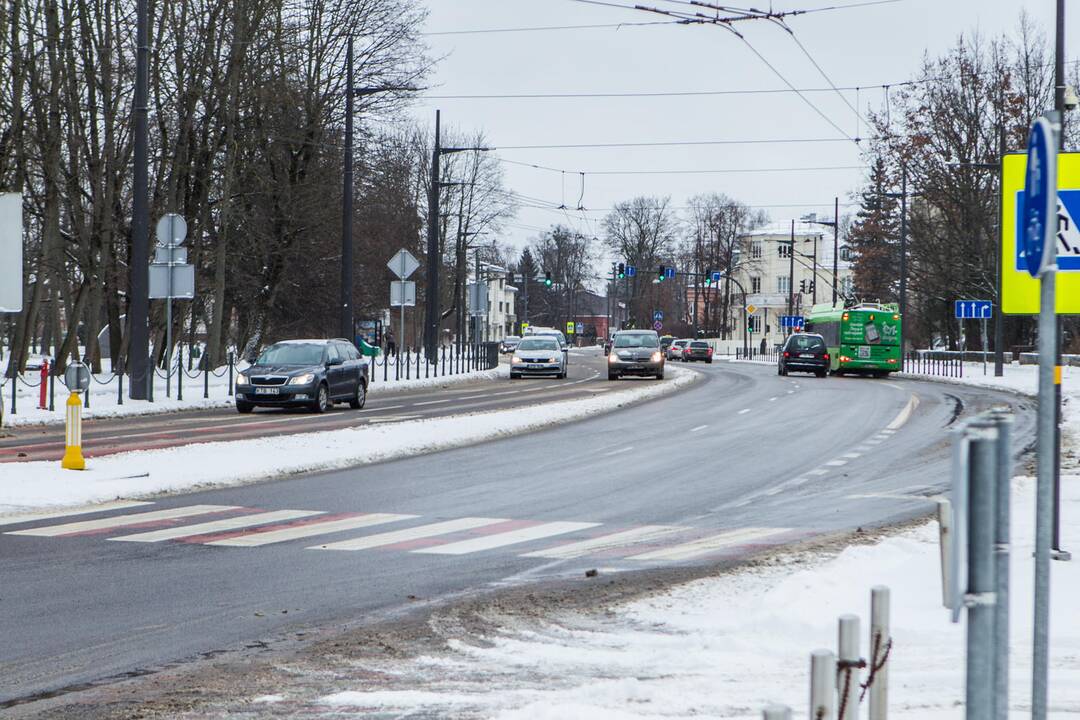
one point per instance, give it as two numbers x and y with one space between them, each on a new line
769 273
499 320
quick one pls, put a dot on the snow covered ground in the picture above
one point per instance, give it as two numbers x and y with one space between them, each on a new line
103 394
726 647
32 485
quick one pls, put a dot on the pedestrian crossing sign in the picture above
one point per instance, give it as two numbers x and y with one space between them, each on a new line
1020 291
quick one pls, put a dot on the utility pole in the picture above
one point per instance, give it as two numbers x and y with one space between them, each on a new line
791 272
836 248
903 261
141 369
346 329
813 278
1059 108
431 323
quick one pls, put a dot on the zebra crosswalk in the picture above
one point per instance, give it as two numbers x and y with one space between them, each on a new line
234 526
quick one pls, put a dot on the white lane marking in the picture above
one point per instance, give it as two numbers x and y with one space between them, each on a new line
216 526
620 450
819 472
836 463
772 399
432 402
606 542
414 533
852 455
78 510
800 481
698 428
392 418
473 397
511 537
706 545
386 407
508 392
743 411
774 490
320 527
790 392
124 520
904 416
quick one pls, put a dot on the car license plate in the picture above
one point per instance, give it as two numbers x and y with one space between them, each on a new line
267 391
806 355
864 353
636 367
535 366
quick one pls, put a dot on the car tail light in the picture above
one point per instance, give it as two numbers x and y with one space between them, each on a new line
710 351
787 354
892 360
825 356
844 358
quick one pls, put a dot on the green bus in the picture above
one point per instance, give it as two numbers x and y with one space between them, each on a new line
864 339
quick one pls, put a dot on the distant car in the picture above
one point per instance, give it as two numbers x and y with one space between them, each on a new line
804 352
635 352
697 350
665 342
549 332
304 373
509 343
674 351
538 355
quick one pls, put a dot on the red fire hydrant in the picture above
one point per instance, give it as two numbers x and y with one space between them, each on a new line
44 384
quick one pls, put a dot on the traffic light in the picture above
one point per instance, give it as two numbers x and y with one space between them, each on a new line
622 270
661 273
547 279
802 286
812 285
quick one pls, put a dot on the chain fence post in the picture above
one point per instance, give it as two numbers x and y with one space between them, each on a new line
86 395
979 600
1002 532
119 387
822 685
204 361
180 371
880 647
848 664
230 359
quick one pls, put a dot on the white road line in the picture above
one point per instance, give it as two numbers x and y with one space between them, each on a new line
606 542
124 520
216 526
319 527
706 545
432 402
886 432
744 411
836 463
508 392
387 407
474 397
414 533
741 503
852 455
698 428
800 481
79 510
774 490
772 399
620 450
790 392
904 416
511 537
819 472
392 418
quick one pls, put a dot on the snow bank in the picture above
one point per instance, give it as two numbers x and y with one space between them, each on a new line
44 484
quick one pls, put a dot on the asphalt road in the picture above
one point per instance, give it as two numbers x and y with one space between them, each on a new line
385 404
740 462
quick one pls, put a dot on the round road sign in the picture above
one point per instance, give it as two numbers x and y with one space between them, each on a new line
171 230
1039 211
658 326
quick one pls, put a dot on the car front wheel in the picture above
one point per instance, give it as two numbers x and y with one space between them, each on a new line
244 407
612 376
359 397
322 399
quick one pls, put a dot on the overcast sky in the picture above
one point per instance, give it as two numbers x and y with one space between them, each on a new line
859 46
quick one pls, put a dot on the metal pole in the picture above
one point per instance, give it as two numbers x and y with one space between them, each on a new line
822 685
346 328
139 306
903 261
836 248
431 325
979 599
168 311
880 645
1059 109
984 344
847 678
1003 487
999 317
791 272
813 277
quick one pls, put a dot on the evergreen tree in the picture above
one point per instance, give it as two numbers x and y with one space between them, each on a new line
874 239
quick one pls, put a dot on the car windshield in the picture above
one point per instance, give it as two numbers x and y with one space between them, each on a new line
805 342
511 338
636 341
699 344
538 344
292 354
680 343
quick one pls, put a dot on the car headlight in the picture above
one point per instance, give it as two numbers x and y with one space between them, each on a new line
304 379
242 379
515 360
613 357
656 356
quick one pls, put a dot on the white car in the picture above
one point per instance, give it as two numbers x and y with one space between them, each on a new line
538 355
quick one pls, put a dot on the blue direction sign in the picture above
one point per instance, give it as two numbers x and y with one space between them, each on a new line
631 271
715 277
1040 198
792 321
658 315
669 273
974 309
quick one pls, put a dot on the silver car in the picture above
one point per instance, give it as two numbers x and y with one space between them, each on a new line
636 352
538 355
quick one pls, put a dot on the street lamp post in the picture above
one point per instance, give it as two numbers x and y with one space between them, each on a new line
835 225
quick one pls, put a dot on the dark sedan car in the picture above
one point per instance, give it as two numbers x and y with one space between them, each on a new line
697 350
304 373
804 352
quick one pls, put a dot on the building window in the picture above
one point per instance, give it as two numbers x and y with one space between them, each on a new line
783 284
755 284
755 249
784 250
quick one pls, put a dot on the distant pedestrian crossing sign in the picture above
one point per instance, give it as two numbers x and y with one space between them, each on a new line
569 327
1020 291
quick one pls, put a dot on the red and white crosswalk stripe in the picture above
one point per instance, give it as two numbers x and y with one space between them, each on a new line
119 521
612 541
395 537
510 537
19 518
216 526
306 529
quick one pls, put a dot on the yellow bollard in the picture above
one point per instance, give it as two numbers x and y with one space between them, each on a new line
73 457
